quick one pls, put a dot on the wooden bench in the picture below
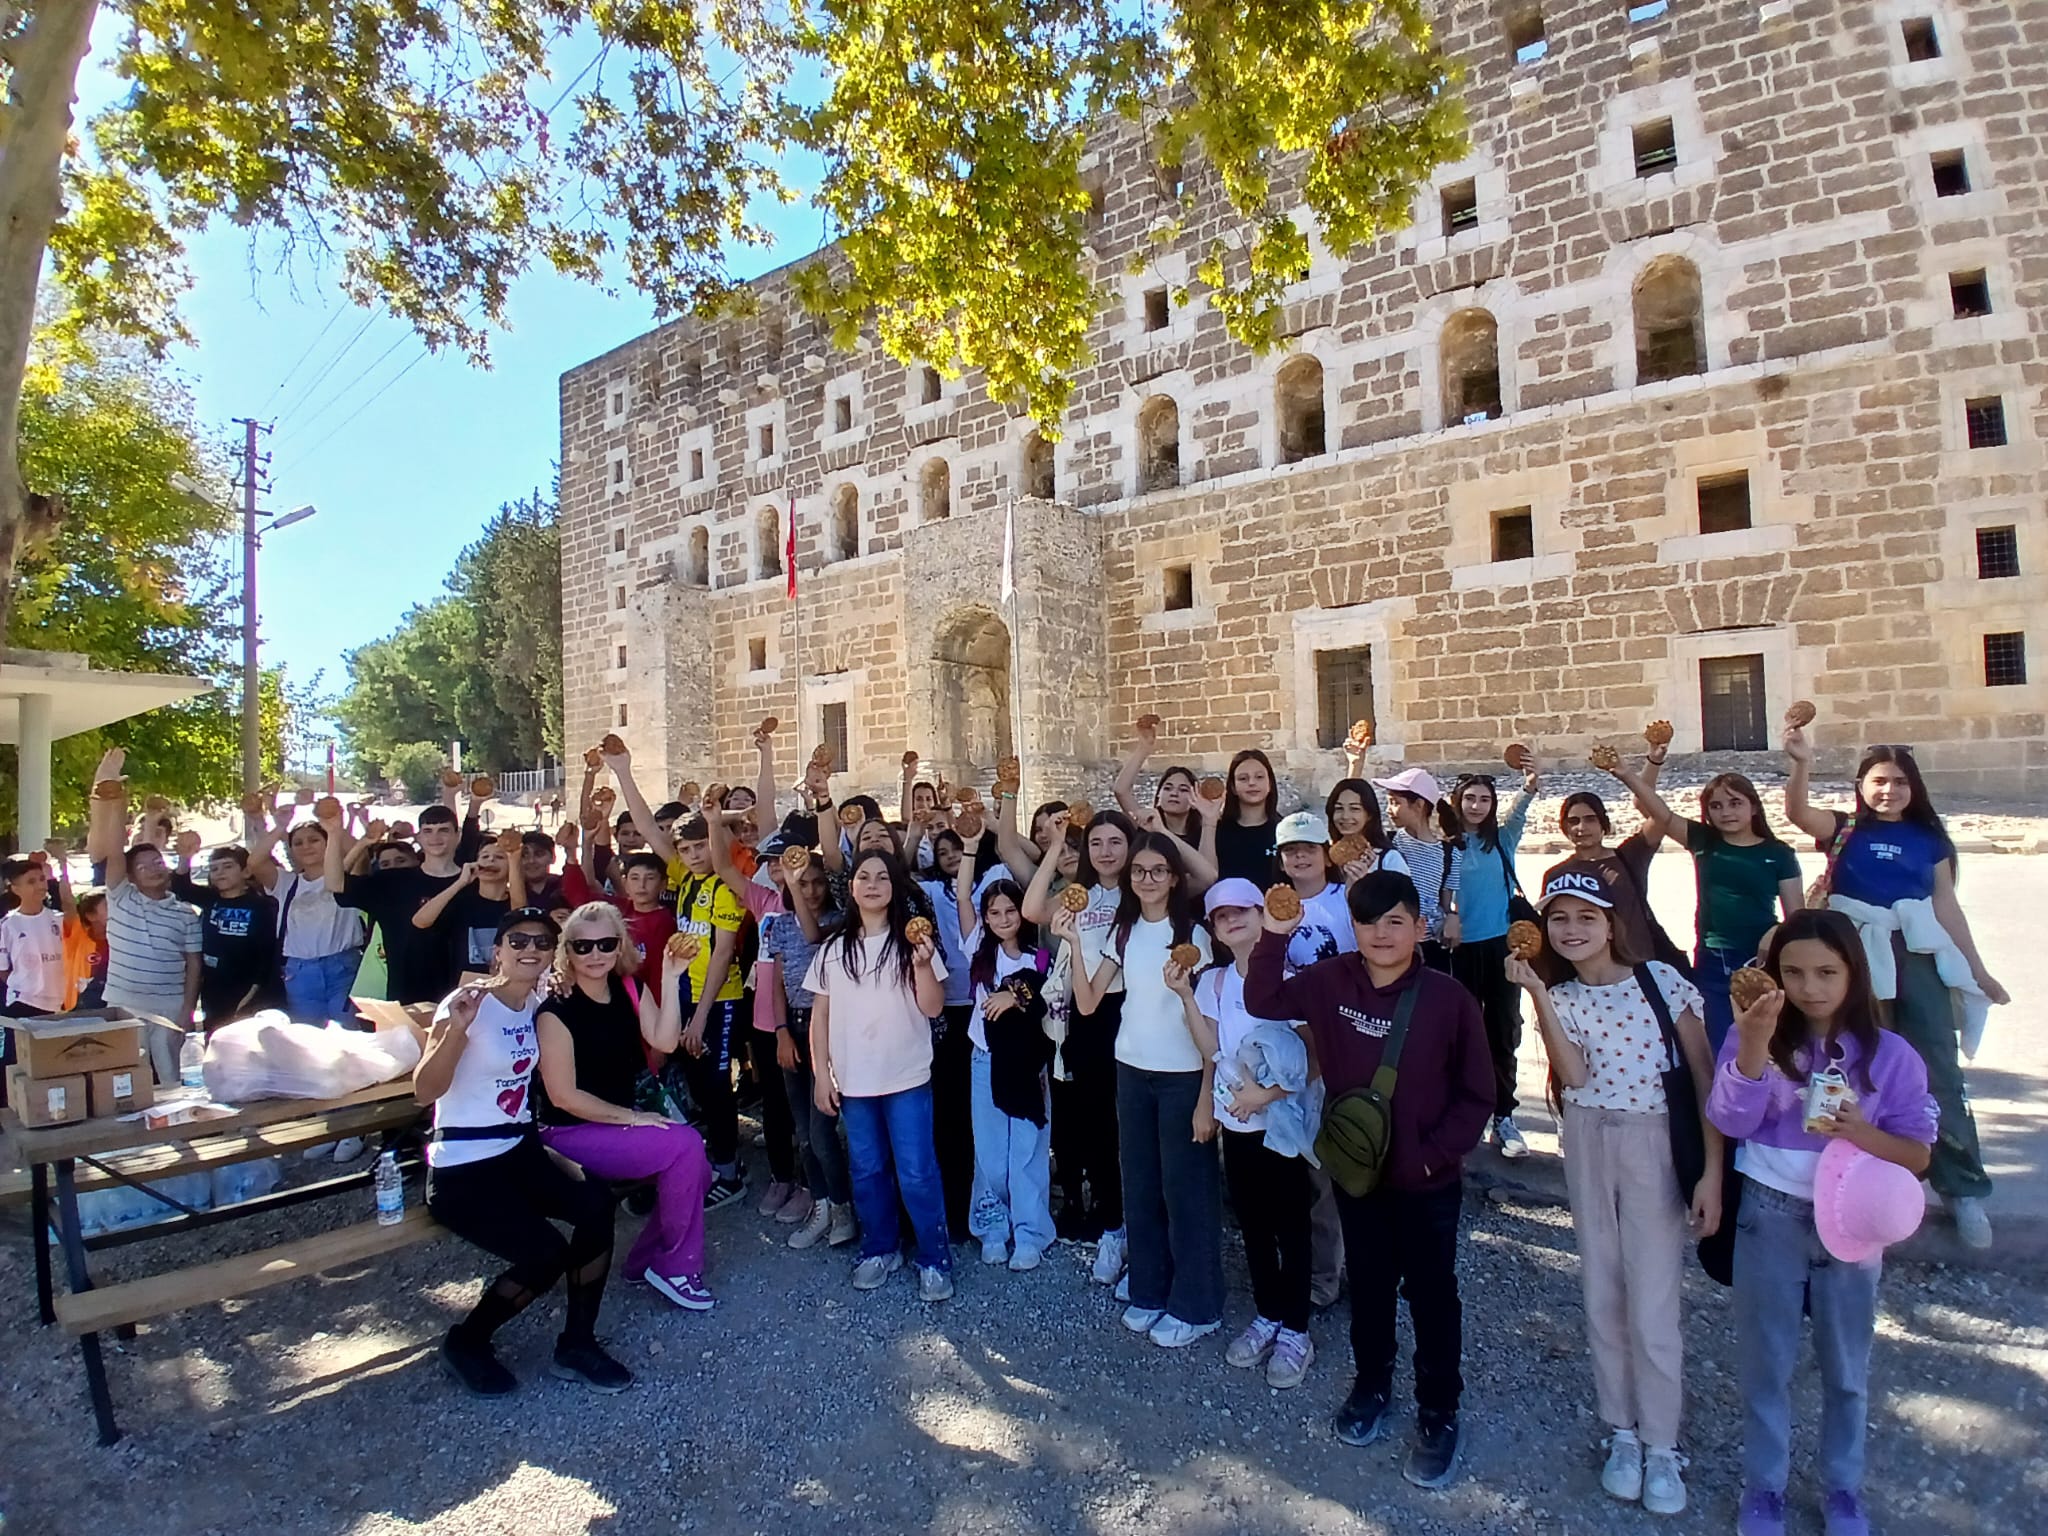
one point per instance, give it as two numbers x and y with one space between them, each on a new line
134 1301
241 1147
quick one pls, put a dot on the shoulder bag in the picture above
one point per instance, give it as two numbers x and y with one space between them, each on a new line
1681 1095
1358 1127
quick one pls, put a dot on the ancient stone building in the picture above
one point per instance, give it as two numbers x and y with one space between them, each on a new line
1712 378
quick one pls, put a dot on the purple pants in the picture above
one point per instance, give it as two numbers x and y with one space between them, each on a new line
672 1242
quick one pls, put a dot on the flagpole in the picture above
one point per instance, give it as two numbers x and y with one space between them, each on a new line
1008 594
796 623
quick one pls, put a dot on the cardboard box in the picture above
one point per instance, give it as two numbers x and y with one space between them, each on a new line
61 1044
417 1017
43 1101
120 1090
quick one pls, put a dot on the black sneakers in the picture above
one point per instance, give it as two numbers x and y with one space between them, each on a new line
722 1193
476 1367
1363 1418
590 1365
1433 1458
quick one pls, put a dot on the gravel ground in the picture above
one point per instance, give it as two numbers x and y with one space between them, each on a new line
1019 1407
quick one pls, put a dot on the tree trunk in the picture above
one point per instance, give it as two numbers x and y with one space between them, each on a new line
42 75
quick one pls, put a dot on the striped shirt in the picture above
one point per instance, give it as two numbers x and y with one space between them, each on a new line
147 942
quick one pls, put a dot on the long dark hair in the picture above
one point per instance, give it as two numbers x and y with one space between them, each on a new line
1085 876
1919 809
1231 809
1486 835
1759 823
1375 829
1190 819
981 966
1180 904
847 936
1857 1017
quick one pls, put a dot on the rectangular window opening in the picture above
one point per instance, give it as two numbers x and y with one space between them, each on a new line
832 726
1177 588
618 471
1998 553
757 654
1969 294
1461 207
1525 36
1343 693
930 386
619 597
1656 147
1732 704
622 656
622 717
1985 421
766 442
618 541
1724 502
1922 41
1158 314
2005 660
1951 173
696 463
842 414
1514 534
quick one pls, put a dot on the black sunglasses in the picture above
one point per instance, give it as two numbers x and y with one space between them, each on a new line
607 945
528 941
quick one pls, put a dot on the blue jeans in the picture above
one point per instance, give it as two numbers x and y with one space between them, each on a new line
889 1149
316 990
1781 1266
1712 968
1012 1171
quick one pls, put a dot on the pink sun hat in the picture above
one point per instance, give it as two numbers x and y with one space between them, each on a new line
1863 1204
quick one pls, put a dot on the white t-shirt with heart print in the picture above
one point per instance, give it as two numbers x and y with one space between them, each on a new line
493 1082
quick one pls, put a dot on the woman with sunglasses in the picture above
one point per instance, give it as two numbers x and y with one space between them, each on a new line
489 1180
1892 872
595 1032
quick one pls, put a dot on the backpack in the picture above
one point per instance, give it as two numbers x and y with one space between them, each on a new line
1358 1127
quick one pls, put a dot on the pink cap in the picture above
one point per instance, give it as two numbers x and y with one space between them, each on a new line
1413 781
1863 1204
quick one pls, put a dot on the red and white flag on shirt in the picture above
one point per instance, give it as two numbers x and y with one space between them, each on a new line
789 550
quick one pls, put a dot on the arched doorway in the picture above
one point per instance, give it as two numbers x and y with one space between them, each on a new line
971 692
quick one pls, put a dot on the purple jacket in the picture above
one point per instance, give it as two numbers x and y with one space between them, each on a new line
1772 1110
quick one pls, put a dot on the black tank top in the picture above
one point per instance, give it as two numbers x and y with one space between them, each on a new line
609 1054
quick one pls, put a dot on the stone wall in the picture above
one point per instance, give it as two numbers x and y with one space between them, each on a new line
1816 239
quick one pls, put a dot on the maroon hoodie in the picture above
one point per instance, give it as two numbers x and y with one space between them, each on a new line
1444 1092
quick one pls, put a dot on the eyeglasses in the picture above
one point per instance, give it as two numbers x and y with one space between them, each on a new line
528 941
607 945
1151 872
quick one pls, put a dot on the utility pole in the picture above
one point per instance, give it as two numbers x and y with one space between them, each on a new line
252 681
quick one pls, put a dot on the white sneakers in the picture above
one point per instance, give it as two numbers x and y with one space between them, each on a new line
1251 1347
815 1226
872 1274
1109 1258
1142 1319
1973 1224
1169 1332
994 1251
1509 1138
1654 1475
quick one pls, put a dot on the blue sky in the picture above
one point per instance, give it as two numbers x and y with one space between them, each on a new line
405 454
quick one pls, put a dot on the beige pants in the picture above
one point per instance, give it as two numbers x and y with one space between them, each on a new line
1631 1235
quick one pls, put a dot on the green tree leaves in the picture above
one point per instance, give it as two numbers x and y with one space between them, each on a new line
482 665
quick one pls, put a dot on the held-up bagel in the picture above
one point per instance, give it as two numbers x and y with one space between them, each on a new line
691 792
1348 849
910 759
1799 714
1525 939
1075 899
1658 733
1009 772
967 821
1518 757
593 758
326 807
821 757
1079 813
1605 756
851 816
450 779
1186 956
1283 903
917 931
110 789
1148 722
1211 788
252 804
796 860
482 787
1749 984
1360 736
508 843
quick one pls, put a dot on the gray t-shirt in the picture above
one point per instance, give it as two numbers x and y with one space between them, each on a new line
147 942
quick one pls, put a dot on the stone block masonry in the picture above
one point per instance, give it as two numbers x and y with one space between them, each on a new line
1710 379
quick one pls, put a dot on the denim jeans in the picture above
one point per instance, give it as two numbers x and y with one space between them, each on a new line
817 1133
1711 970
1012 1171
889 1149
1780 1268
316 989
1173 1195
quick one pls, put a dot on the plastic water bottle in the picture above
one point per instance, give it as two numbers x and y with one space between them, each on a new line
390 1191
192 1060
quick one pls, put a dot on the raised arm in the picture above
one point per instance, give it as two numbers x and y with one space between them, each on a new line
447 1037
57 856
1143 746
430 914
621 765
722 864
764 783
1019 854
661 1021
963 884
903 797
1657 815
1800 810
1038 906
107 818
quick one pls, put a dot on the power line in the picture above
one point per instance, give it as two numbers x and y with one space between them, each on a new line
342 394
313 383
332 316
375 398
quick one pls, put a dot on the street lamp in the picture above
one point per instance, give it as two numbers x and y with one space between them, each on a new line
252 678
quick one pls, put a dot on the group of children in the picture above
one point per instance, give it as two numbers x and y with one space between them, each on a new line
964 1023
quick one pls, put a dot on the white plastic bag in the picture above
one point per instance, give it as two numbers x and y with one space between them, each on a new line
266 1056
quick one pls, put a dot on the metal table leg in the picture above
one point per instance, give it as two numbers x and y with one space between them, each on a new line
81 1281
39 1219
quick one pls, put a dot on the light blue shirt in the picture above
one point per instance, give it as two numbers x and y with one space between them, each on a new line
1483 877
946 913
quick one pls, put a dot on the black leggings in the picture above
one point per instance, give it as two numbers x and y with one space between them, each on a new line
1272 1196
710 1081
507 1205
1084 1133
953 1113
1481 965
777 1124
